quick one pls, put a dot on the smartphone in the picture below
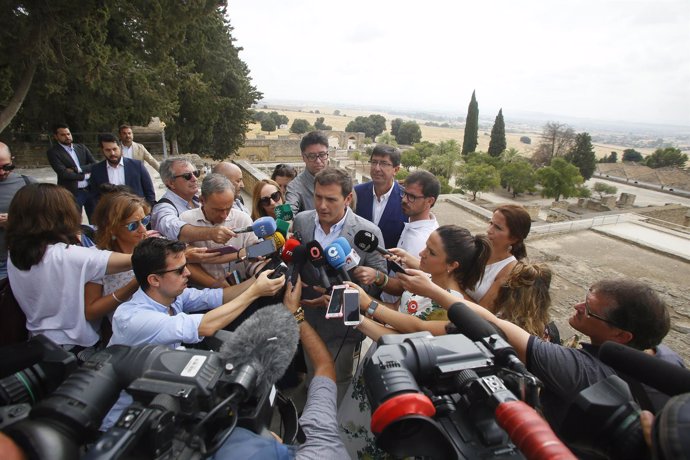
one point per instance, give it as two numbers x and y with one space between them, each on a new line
396 267
351 313
335 306
279 271
224 250
261 249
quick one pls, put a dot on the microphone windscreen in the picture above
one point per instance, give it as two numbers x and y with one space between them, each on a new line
469 323
335 255
264 226
343 243
267 341
310 275
288 248
282 227
283 212
315 253
366 241
650 370
279 240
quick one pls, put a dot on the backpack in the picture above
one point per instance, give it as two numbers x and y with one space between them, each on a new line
13 324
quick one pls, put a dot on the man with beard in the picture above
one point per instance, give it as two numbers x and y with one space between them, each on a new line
117 170
131 149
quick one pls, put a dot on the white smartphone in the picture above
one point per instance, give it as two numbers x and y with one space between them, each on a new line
335 305
351 313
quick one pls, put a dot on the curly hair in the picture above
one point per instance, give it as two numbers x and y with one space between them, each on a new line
524 299
111 212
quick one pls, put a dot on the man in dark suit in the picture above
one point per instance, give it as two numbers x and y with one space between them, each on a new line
330 219
72 163
118 170
380 200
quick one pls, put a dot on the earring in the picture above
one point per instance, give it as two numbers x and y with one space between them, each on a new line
113 237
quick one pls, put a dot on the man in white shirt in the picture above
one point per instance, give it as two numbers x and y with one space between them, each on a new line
131 149
217 198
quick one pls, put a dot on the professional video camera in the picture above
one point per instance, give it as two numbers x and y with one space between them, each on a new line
445 397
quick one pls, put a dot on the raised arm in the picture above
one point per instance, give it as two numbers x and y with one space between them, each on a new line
97 305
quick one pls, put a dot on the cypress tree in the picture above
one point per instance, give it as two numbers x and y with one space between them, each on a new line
582 155
497 144
469 143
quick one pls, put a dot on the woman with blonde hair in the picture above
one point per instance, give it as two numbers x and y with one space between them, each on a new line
265 197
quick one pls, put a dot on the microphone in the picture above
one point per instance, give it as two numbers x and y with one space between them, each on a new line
351 258
368 242
283 212
315 254
282 227
478 329
336 259
261 227
278 239
650 370
287 253
266 341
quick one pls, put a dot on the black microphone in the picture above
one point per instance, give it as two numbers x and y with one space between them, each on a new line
299 258
317 259
650 370
368 242
478 329
266 341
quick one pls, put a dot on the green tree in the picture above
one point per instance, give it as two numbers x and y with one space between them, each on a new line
436 165
484 158
582 155
556 140
336 113
445 187
632 155
395 126
518 177
278 118
411 158
402 174
371 126
669 156
409 133
386 138
425 149
498 144
604 189
300 126
320 125
478 177
469 143
560 179
268 124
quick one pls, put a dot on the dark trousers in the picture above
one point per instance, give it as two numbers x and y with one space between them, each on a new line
85 200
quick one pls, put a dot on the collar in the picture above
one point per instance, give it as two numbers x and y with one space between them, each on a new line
121 163
385 196
422 222
335 228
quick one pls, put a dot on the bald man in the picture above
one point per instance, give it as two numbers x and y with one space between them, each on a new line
10 183
234 174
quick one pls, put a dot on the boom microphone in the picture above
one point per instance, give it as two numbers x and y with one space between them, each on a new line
336 259
662 375
351 257
266 341
261 227
317 259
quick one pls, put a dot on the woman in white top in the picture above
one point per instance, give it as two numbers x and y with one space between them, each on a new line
508 228
48 268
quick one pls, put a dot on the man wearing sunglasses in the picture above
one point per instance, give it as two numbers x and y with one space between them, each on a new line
625 311
379 200
10 183
164 310
117 170
180 177
300 191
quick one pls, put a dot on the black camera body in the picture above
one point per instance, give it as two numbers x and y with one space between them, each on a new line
435 397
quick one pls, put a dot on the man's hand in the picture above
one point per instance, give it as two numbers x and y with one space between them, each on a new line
365 275
318 302
417 282
221 234
291 299
264 286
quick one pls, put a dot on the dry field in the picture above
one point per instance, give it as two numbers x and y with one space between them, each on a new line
429 133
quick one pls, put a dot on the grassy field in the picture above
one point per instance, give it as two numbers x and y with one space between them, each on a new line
429 133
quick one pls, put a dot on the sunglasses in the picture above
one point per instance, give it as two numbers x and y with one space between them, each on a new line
134 226
178 270
266 200
188 176
8 167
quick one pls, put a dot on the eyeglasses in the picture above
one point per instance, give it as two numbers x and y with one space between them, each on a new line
188 176
410 197
591 314
266 200
382 164
8 167
178 270
134 225
314 156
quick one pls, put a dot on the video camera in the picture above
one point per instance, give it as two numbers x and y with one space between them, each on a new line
447 397
186 405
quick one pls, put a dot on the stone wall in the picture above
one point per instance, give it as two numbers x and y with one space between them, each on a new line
674 213
270 150
250 176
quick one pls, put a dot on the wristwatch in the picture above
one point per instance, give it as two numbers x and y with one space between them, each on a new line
372 308
299 315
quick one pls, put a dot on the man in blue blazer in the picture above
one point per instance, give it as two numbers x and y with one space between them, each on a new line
380 201
118 170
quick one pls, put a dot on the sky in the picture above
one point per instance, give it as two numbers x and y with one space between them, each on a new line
598 59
